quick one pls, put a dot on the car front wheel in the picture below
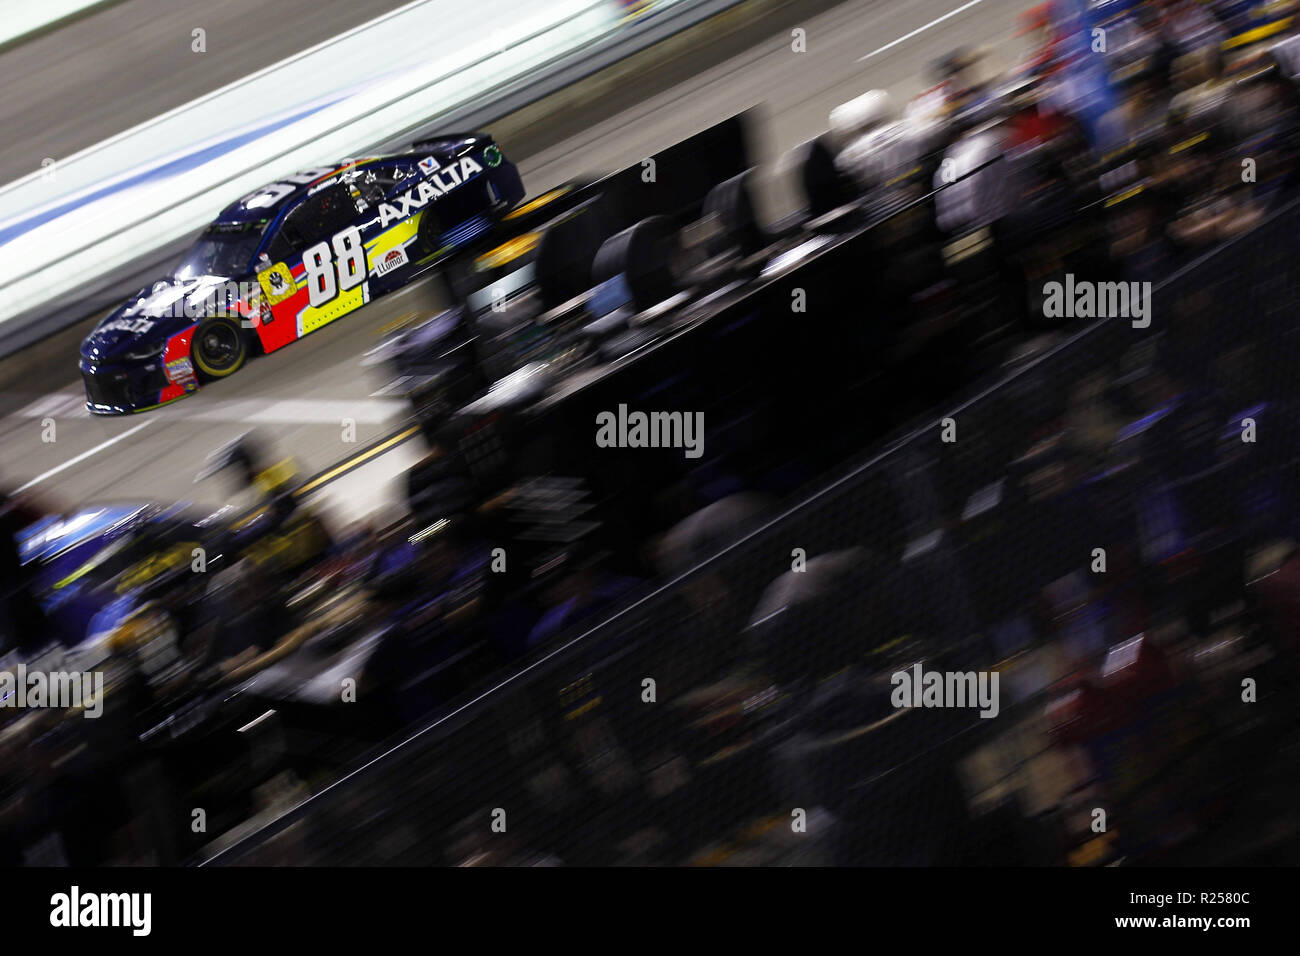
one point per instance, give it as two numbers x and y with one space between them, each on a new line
219 348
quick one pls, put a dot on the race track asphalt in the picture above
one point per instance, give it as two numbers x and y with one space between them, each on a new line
300 396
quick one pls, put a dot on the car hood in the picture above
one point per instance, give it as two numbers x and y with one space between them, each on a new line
63 549
58 534
154 314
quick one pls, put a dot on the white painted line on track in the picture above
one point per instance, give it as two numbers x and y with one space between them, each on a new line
375 410
908 36
300 411
84 455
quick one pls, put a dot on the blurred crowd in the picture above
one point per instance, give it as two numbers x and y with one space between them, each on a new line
234 692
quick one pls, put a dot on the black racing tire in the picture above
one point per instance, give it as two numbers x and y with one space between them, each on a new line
731 202
565 255
825 188
219 348
643 255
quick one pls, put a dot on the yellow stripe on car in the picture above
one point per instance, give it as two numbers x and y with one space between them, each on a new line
398 235
313 318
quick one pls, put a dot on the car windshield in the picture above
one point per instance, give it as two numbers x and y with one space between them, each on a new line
219 253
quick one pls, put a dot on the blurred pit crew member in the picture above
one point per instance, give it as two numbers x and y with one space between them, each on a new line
1188 25
271 482
977 192
873 147
1203 90
1140 116
247 628
959 75
1266 115
23 626
430 592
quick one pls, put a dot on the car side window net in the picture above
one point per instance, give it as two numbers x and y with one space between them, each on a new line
320 216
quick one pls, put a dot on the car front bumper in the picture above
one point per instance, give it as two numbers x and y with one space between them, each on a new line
113 389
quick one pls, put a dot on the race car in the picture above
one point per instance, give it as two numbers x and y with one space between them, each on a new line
291 257
93 567
77 562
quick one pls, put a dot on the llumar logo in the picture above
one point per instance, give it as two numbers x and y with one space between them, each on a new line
392 259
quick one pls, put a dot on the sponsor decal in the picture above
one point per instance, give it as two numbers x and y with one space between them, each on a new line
177 367
428 165
134 326
277 283
229 227
492 156
323 184
392 259
181 372
440 182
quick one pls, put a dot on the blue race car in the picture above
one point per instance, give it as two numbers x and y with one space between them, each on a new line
75 559
290 258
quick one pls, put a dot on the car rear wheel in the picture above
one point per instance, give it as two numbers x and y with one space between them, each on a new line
219 348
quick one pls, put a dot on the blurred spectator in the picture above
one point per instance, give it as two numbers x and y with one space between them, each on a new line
579 593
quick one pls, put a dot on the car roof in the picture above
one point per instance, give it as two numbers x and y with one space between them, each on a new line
267 201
